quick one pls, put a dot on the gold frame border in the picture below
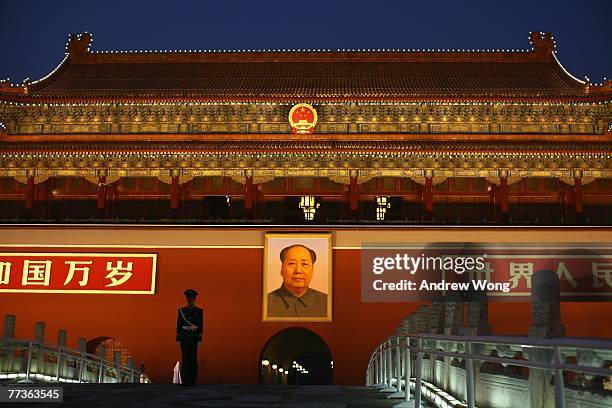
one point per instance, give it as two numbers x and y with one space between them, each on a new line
264 302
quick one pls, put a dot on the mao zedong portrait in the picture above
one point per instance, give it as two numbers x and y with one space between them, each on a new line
295 298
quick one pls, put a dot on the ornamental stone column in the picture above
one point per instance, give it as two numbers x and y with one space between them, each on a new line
39 332
477 324
9 327
62 337
477 314
436 315
546 323
422 323
404 326
454 315
82 344
131 364
412 323
39 337
545 305
117 364
436 326
9 334
84 375
101 353
422 319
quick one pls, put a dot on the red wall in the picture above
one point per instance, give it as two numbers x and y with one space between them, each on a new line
230 286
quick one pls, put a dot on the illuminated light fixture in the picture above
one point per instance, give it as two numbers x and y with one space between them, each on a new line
309 207
228 200
382 204
265 363
280 370
383 201
274 366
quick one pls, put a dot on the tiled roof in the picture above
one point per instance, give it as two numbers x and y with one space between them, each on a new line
358 75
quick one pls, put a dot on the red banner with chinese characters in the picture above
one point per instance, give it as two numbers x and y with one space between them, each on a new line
59 272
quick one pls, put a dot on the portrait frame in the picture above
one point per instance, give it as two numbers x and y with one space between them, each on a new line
273 241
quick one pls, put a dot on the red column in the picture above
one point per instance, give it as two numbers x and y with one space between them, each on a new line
569 203
353 195
248 193
491 191
174 188
578 195
503 195
428 197
30 193
101 202
186 197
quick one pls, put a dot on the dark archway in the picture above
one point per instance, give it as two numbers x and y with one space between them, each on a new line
301 354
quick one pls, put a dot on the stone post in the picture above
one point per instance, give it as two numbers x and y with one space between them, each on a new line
39 337
422 323
436 326
454 315
422 319
131 365
39 332
546 323
412 323
9 327
477 325
117 364
61 343
436 315
82 344
62 336
545 305
477 314
9 334
101 353
82 348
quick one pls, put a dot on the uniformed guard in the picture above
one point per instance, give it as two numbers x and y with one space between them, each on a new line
189 325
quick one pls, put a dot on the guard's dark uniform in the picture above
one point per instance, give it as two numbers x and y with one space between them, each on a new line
189 325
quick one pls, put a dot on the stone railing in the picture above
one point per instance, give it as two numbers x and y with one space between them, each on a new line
452 359
27 361
459 371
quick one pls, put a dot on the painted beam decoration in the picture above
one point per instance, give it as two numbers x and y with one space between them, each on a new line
59 272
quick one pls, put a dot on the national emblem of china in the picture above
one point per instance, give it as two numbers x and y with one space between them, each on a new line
302 118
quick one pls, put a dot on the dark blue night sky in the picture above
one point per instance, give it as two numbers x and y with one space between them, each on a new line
33 33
